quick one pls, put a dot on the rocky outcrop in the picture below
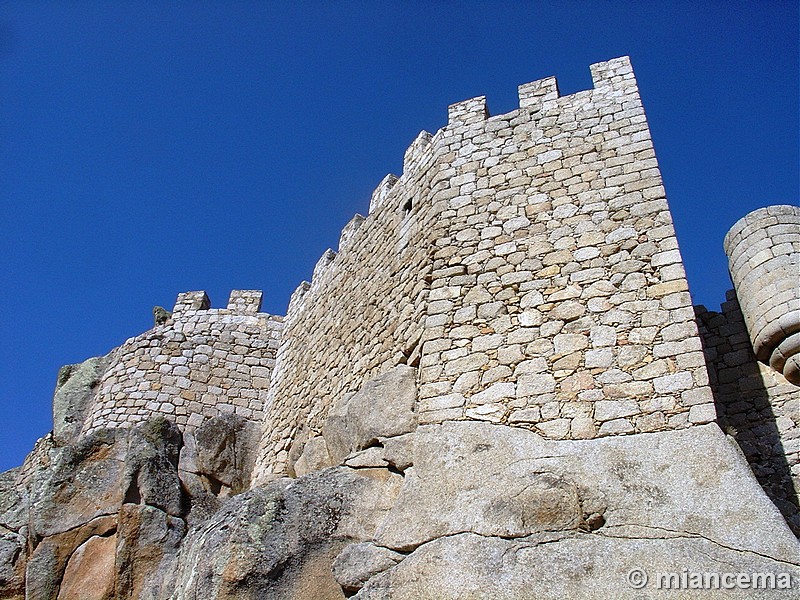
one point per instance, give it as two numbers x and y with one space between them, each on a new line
279 541
382 508
479 507
102 516
76 389
554 566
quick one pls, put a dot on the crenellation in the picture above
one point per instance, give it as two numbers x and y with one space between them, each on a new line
322 265
245 301
533 95
468 112
296 299
193 364
382 191
349 230
416 152
191 302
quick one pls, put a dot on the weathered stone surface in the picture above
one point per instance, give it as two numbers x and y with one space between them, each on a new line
76 389
279 541
93 477
151 466
13 500
90 570
84 481
358 562
147 552
503 481
315 456
564 565
383 407
12 565
45 568
226 448
371 457
108 484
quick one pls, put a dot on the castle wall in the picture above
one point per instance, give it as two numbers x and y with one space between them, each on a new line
362 312
756 405
559 301
201 363
533 255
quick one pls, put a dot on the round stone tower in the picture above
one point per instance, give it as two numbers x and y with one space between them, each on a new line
763 251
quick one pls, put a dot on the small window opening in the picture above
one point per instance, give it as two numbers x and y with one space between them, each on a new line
407 208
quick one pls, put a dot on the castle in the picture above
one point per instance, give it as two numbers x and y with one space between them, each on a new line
524 267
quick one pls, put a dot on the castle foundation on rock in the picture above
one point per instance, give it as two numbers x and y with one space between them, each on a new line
502 355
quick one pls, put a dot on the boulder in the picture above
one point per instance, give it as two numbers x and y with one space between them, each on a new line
12 564
279 541
501 481
44 571
76 388
315 456
226 447
147 552
84 481
113 483
558 565
383 407
89 574
13 500
151 466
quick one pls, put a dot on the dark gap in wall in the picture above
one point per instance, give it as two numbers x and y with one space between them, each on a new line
743 405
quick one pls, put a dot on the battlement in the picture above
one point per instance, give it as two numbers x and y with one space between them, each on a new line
527 264
201 363
245 302
616 74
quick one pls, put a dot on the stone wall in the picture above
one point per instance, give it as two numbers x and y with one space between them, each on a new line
362 312
533 256
559 300
526 263
755 404
201 363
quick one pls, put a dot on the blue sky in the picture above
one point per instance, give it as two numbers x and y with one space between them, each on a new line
150 148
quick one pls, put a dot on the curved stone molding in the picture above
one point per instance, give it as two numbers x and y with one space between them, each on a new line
763 251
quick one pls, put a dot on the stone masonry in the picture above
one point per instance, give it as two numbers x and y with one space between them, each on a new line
201 363
764 256
526 262
755 405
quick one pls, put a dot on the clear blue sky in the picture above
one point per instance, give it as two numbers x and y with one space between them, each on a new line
150 148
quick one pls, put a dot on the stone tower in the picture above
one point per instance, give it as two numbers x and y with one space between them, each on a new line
763 251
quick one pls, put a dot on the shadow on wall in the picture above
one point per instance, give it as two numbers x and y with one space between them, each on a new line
745 407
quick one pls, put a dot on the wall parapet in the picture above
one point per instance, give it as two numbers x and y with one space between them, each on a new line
201 363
